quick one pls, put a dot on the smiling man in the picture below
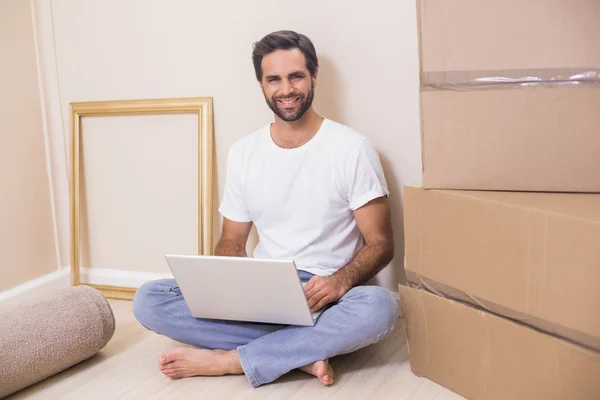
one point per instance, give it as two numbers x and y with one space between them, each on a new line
317 194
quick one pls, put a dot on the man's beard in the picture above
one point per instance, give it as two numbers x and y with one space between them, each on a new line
293 114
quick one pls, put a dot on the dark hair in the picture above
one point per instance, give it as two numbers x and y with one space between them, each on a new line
284 40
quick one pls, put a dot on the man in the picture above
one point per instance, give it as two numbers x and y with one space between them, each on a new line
317 194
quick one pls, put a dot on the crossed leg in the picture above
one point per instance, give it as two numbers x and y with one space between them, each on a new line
263 352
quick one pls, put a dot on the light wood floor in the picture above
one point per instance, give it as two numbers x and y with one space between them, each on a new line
126 369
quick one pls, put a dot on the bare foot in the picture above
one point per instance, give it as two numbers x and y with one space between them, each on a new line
183 362
322 370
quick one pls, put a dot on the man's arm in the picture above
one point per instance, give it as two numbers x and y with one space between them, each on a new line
374 222
233 238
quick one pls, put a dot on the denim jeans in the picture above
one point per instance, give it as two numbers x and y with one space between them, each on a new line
364 315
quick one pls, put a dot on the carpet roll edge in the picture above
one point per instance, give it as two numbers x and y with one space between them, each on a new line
93 303
105 310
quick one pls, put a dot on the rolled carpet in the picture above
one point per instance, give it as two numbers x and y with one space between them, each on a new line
44 336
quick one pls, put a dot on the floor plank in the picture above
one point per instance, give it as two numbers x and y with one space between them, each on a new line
127 369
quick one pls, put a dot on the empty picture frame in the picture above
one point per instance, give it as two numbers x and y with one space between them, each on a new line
203 108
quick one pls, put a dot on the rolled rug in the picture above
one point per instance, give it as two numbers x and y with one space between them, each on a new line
44 336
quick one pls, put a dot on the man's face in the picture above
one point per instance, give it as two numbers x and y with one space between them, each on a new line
287 84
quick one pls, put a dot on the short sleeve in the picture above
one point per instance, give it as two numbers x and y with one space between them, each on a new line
233 206
365 178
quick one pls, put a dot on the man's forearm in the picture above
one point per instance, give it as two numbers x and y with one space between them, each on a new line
228 247
366 263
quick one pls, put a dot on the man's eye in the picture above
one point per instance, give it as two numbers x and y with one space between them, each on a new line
273 79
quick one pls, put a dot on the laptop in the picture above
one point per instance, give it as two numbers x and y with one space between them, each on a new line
242 289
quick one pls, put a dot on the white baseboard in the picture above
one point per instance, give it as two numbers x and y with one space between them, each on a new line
104 276
116 277
97 276
60 279
54 280
397 297
394 294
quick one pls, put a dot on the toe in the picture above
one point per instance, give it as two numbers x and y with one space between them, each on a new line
325 380
166 367
170 370
169 356
173 374
164 359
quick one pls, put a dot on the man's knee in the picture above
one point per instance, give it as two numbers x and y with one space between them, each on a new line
146 301
379 308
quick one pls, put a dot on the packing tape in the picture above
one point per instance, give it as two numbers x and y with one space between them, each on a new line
504 79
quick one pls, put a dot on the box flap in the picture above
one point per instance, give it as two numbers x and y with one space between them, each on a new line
482 356
532 256
460 35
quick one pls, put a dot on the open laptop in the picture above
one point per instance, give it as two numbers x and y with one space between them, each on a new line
242 289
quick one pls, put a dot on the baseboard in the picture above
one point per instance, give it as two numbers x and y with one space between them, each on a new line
95 276
54 280
134 279
396 296
121 278
60 279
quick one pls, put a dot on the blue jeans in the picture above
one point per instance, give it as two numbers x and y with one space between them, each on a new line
364 315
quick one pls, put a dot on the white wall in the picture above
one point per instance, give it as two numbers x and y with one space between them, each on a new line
136 49
140 204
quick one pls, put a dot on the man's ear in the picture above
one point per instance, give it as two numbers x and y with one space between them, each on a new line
314 78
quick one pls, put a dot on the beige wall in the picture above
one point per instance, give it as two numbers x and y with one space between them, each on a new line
26 230
136 49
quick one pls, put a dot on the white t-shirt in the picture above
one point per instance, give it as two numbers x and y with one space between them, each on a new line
301 200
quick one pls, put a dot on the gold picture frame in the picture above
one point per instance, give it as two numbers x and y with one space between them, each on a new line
203 108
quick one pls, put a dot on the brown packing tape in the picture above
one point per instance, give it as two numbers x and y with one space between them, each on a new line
503 79
416 281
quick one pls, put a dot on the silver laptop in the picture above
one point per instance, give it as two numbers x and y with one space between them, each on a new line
242 289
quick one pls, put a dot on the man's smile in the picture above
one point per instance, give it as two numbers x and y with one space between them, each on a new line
289 102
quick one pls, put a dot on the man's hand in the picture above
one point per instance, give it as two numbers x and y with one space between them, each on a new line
322 290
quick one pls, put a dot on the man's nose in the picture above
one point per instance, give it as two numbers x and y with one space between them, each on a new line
286 87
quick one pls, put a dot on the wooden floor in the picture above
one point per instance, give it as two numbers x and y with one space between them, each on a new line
127 369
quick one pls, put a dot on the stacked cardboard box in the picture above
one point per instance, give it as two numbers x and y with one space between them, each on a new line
503 240
480 134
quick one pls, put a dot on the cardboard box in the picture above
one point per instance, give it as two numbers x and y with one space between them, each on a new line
526 139
533 257
482 356
471 35
512 137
